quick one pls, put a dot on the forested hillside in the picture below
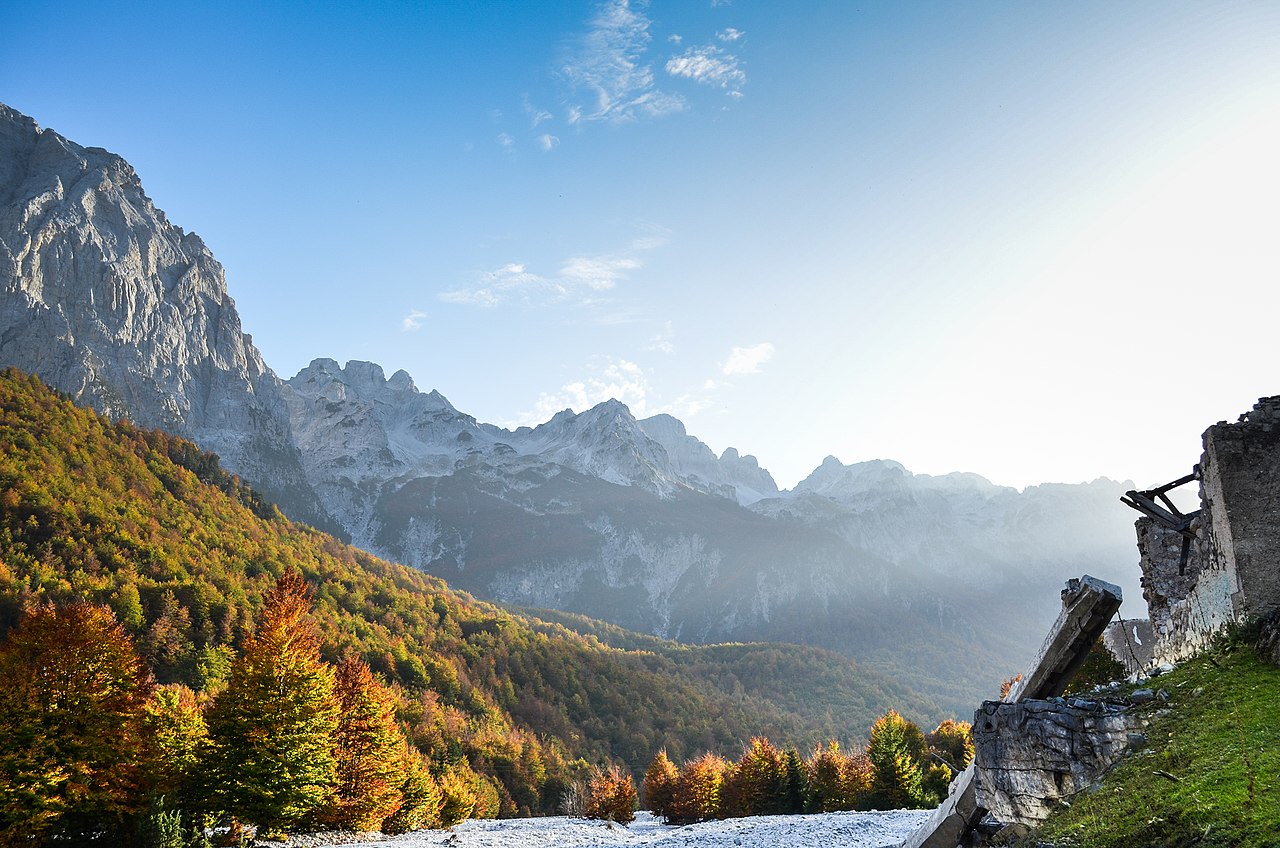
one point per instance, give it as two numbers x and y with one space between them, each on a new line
183 554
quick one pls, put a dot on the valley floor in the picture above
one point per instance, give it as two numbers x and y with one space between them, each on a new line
848 830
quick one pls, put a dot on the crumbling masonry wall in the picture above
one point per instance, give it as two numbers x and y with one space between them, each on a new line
1188 601
1232 570
1241 494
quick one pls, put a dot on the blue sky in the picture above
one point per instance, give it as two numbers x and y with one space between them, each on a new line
1032 240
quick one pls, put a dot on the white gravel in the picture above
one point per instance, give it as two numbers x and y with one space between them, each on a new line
847 830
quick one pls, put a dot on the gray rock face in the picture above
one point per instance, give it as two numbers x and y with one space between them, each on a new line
729 475
106 300
1032 755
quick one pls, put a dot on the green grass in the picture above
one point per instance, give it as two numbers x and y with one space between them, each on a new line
1218 739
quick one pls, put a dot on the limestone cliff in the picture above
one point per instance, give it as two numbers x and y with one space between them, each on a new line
106 300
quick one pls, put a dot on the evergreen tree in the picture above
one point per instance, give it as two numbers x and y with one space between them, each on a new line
270 759
369 750
795 782
72 757
895 768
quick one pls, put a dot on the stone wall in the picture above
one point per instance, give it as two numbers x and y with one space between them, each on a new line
1133 642
1187 601
1232 571
1241 494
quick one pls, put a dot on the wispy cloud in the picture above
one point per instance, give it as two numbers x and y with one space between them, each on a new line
536 115
412 322
709 65
608 63
607 378
505 140
664 340
598 272
747 360
548 142
580 279
730 34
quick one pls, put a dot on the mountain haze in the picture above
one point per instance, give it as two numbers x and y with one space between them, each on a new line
595 512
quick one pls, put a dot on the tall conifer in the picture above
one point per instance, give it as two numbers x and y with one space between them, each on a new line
270 754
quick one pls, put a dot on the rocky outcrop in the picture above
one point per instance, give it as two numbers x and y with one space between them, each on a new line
106 300
731 475
1033 755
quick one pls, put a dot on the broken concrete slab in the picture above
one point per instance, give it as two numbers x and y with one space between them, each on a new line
1087 605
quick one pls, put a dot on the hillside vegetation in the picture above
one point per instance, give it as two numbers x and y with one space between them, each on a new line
1210 773
183 554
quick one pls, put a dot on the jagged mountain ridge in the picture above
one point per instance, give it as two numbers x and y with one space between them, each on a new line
636 522
109 302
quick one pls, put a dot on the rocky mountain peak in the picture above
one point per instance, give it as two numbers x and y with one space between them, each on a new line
106 300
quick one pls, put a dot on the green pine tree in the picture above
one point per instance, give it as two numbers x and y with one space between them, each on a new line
270 759
895 766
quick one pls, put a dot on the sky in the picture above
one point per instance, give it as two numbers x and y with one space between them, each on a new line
1036 241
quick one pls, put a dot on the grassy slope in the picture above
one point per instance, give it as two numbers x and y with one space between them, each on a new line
1219 737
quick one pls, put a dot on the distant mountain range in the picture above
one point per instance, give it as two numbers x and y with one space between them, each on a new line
948 581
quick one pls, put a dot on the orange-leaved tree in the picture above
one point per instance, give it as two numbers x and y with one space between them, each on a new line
369 749
611 796
757 786
659 785
697 795
72 694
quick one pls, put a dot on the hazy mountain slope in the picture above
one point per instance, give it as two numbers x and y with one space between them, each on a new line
106 300
118 516
593 512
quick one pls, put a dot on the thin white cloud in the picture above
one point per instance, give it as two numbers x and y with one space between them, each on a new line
510 282
598 272
747 360
730 34
412 322
505 140
548 142
608 378
536 114
580 279
664 340
709 65
608 64
675 39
